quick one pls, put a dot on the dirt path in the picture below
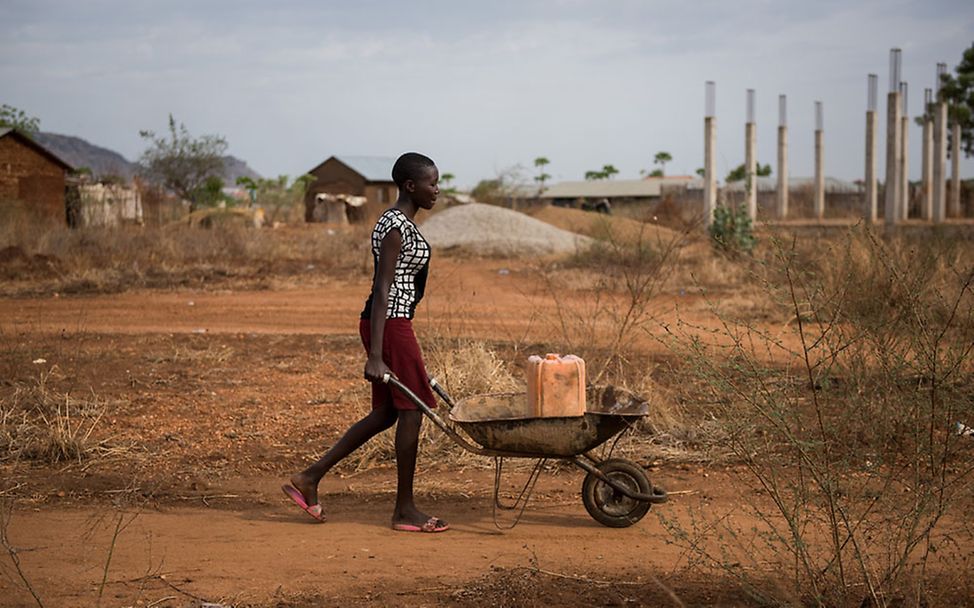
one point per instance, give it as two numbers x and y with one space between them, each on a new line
220 394
251 547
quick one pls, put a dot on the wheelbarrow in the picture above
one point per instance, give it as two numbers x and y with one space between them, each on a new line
616 492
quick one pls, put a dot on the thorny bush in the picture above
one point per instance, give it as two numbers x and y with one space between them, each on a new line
844 423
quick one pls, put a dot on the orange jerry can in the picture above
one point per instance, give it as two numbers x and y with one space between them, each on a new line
556 386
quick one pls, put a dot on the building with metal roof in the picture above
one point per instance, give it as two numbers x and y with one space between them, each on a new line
368 177
613 189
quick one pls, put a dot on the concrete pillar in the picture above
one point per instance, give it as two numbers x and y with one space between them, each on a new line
926 190
750 159
782 191
953 207
709 179
871 186
939 162
750 170
893 151
904 189
819 198
819 174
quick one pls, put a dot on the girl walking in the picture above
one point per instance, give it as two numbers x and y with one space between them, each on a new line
401 265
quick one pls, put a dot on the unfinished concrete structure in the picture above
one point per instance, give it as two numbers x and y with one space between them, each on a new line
819 162
782 195
709 153
926 185
871 186
904 169
750 159
939 149
891 213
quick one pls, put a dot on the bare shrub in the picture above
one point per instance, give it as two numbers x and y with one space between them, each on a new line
597 321
845 428
40 424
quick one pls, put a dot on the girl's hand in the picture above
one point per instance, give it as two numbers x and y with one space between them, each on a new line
375 369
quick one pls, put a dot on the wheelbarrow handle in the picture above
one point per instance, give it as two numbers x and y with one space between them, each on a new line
442 393
391 380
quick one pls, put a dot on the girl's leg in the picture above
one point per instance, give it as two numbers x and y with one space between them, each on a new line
377 421
407 444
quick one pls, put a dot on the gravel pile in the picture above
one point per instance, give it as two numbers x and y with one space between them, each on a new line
495 230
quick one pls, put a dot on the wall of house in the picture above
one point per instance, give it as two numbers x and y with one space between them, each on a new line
332 177
27 175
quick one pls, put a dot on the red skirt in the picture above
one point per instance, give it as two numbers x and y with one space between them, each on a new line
400 351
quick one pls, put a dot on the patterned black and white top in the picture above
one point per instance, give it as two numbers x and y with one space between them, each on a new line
412 265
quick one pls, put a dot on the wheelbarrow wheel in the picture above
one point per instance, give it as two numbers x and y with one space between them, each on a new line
611 507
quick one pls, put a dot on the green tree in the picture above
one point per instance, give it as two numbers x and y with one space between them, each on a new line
958 91
739 173
447 179
656 173
182 163
541 177
661 159
210 194
606 172
18 119
701 172
277 196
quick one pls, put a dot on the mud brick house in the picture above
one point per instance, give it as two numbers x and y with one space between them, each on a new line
351 176
32 176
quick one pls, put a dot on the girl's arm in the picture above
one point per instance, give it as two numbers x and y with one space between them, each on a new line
389 250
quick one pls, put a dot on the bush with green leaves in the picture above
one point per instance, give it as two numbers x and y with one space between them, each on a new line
732 231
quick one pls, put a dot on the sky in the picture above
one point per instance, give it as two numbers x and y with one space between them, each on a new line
482 87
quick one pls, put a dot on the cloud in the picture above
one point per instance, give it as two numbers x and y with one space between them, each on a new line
480 85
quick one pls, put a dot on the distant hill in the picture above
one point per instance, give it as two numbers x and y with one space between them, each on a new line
104 162
233 168
79 153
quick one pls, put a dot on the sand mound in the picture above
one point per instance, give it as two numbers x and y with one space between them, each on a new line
601 226
499 231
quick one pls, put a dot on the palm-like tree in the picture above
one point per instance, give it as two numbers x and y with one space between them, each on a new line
541 177
661 159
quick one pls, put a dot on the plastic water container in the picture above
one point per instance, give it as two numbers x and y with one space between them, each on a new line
556 386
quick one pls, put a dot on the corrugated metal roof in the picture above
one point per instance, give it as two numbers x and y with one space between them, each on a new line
372 168
770 184
614 188
604 188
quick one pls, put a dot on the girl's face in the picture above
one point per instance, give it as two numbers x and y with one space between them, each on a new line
426 188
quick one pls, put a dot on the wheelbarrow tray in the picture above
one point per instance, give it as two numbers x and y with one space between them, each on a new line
501 422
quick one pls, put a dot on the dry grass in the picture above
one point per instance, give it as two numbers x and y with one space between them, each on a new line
42 425
465 368
39 258
601 226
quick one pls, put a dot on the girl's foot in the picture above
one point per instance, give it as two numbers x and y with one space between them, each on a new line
413 520
307 486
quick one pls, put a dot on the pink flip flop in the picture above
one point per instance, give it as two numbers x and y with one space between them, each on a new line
432 525
295 495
